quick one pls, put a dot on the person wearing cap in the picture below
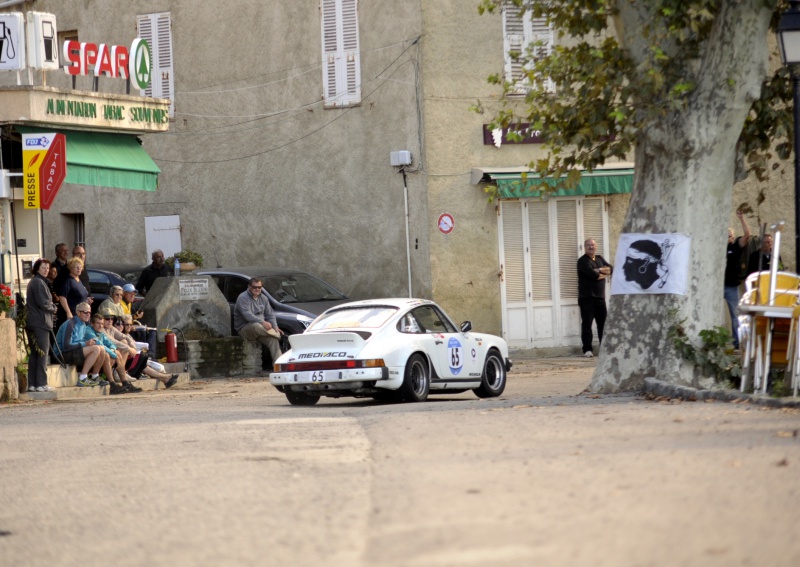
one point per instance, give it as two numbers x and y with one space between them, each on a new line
113 358
138 331
73 346
152 369
113 303
254 319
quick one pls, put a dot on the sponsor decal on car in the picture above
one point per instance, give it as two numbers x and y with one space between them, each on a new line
322 355
456 355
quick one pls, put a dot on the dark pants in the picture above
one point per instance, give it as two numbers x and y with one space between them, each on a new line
148 336
592 309
39 341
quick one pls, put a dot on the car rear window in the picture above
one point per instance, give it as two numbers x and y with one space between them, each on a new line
353 318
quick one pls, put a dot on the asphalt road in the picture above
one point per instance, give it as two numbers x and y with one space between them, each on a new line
227 473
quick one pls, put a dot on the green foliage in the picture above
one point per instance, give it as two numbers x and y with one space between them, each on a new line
186 255
713 356
606 92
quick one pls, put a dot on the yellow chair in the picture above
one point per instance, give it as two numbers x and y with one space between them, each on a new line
768 328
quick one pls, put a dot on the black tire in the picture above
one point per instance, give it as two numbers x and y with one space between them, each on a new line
493 379
301 398
417 380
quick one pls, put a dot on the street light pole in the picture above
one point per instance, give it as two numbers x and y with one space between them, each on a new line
789 47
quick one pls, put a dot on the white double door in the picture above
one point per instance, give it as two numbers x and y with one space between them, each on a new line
540 243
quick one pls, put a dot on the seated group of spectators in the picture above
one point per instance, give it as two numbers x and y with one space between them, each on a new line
111 341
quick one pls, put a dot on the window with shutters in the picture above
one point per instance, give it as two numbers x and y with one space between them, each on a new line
157 30
520 32
341 60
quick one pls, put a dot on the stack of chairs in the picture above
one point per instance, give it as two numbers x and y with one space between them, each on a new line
769 323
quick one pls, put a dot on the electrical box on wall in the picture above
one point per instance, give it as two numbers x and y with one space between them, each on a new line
42 40
403 157
12 42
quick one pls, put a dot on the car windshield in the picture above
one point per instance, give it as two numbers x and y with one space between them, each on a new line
353 318
299 288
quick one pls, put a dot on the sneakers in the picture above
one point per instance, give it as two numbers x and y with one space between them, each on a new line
588 354
45 389
116 389
85 383
31 388
130 387
102 382
172 381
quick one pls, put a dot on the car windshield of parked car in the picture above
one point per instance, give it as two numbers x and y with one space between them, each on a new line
353 318
299 288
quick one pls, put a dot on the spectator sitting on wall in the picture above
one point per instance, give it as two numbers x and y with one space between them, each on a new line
72 346
138 331
121 329
155 270
113 302
112 358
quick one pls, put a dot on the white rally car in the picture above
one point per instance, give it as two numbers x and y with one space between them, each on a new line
399 349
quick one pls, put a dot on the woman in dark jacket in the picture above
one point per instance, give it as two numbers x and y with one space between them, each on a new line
39 326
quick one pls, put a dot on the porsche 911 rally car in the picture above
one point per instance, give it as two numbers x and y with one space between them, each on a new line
400 349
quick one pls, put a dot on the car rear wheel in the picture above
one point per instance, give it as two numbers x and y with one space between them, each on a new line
417 380
301 398
493 379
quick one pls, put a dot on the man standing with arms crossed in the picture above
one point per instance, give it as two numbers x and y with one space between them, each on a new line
592 273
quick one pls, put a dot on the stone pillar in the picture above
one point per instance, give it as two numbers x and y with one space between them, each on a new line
9 388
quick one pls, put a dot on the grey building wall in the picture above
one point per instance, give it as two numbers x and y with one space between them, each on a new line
258 171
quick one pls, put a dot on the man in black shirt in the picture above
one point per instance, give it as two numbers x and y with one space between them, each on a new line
592 273
149 275
765 255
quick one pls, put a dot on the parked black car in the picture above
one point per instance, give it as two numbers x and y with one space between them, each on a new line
296 297
100 282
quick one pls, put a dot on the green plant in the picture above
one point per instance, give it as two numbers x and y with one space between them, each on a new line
713 356
186 255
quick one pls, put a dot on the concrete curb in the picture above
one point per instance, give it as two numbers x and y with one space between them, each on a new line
661 388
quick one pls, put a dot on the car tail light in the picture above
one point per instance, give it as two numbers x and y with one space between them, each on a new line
329 365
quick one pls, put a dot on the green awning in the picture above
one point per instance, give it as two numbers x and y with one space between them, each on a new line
105 160
598 182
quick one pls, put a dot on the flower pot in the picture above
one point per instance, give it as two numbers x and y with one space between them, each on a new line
188 267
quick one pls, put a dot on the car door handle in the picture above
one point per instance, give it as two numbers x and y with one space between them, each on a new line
439 342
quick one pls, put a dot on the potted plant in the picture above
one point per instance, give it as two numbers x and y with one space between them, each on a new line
188 259
6 301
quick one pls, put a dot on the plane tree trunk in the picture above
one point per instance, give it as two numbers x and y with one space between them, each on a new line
685 165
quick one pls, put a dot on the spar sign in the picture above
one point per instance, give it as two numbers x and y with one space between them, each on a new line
44 167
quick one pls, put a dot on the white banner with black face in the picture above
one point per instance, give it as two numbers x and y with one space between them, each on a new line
652 263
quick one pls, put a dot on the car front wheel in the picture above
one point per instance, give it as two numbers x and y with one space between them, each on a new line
301 398
417 380
493 380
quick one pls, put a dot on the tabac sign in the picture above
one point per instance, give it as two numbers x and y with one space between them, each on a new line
44 167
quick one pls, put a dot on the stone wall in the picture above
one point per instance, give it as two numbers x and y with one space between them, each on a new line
221 357
9 388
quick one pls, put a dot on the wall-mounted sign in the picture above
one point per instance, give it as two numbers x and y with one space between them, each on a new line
193 289
499 136
12 42
44 167
446 223
86 58
42 40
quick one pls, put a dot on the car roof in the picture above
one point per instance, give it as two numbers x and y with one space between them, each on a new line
117 268
249 271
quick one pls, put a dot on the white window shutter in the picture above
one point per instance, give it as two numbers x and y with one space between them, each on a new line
341 58
593 222
157 30
513 251
541 270
519 30
567 218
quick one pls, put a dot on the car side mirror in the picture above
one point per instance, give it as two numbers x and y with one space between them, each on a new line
466 326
